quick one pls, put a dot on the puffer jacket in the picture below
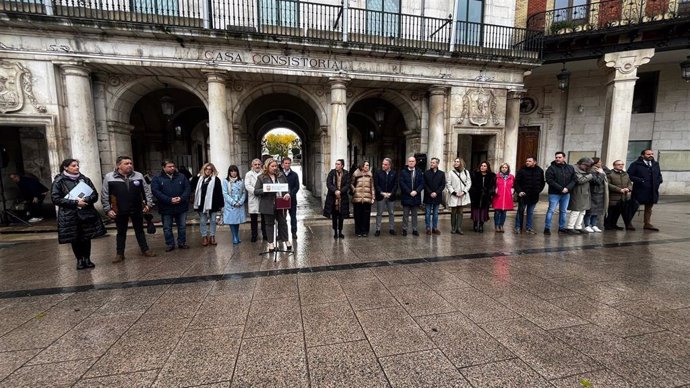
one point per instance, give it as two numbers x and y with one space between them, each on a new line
362 186
580 195
71 227
530 180
559 176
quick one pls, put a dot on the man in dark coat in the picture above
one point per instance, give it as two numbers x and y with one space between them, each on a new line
337 205
434 183
33 192
529 183
411 186
386 184
645 174
293 185
560 176
172 189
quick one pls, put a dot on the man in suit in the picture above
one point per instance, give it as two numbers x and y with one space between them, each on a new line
386 184
411 186
645 173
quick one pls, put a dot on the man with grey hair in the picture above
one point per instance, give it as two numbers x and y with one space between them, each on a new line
411 186
253 200
386 184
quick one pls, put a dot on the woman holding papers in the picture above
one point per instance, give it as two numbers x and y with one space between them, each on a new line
78 221
267 204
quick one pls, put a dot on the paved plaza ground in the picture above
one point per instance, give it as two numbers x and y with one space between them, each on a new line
479 310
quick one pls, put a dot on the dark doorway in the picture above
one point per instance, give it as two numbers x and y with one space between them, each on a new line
528 144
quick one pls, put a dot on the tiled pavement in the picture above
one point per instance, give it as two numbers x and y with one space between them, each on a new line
479 310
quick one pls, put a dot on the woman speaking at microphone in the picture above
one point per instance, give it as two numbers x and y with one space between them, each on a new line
267 204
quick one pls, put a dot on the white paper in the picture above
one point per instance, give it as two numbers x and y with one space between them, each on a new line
276 187
81 190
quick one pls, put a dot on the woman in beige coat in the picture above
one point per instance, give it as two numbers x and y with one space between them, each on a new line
458 183
363 195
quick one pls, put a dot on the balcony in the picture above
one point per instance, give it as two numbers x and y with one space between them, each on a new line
608 15
302 22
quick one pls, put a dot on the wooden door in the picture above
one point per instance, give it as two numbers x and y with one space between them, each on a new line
528 145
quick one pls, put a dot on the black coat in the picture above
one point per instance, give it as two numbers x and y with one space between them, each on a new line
482 193
71 227
646 181
330 196
559 176
407 186
293 184
217 201
434 182
530 180
165 188
385 183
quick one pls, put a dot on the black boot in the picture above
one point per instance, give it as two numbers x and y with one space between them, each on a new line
81 264
475 226
89 263
481 227
335 233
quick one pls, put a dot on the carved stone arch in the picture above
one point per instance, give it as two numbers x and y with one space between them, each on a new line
123 97
248 97
405 105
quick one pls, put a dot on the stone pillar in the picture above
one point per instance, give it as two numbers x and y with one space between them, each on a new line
437 99
82 124
510 143
619 96
337 131
218 131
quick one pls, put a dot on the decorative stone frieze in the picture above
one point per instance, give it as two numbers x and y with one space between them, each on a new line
16 82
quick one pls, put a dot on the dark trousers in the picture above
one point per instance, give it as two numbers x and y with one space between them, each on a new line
362 213
337 220
82 249
36 209
293 217
254 221
626 209
121 221
280 218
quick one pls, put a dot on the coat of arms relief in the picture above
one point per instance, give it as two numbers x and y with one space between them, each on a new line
15 83
479 107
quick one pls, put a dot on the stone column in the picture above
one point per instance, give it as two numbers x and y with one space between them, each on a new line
437 99
337 131
619 96
218 131
82 124
510 143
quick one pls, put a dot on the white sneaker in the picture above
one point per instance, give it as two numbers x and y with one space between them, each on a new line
35 219
596 229
589 229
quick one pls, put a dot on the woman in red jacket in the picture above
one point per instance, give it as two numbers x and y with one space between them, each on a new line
503 200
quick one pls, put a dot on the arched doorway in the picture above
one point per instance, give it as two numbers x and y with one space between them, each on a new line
169 123
376 131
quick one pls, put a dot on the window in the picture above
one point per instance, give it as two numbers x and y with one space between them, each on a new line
279 12
644 97
572 11
635 148
470 16
158 7
383 17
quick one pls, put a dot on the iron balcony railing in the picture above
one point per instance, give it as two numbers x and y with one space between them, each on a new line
303 20
606 15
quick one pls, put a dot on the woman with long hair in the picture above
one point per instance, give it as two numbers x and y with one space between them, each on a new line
267 204
482 191
363 195
503 200
234 195
208 200
458 184
78 221
337 205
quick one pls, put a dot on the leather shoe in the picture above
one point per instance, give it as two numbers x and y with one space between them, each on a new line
204 241
651 227
212 241
81 264
89 263
428 232
183 246
341 235
149 253
415 233
119 258
404 233
169 248
377 233
629 227
436 231
392 232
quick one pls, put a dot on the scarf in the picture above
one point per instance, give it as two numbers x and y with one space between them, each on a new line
71 176
208 199
338 184
504 176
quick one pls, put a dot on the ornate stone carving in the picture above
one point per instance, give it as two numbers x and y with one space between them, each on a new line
237 86
319 91
15 82
479 106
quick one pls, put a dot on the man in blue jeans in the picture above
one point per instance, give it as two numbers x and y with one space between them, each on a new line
561 179
172 191
529 183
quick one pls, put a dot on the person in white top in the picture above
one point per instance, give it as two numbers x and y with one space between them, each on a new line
253 200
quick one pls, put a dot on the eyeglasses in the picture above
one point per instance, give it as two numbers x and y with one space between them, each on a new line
208 169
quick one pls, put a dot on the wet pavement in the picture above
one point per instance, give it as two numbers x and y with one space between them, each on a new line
479 310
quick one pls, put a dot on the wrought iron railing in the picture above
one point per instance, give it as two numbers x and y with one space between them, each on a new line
607 14
303 20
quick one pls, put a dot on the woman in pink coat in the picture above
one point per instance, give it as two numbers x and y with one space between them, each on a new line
503 200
